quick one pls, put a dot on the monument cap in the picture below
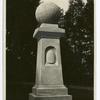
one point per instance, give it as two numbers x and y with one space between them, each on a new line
49 31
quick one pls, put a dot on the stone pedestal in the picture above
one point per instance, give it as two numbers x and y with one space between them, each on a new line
58 97
49 80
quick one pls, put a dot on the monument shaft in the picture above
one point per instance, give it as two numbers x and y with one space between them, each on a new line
49 69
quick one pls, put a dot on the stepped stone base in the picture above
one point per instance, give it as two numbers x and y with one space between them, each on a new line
56 90
56 97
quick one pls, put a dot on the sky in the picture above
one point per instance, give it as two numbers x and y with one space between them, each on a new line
63 4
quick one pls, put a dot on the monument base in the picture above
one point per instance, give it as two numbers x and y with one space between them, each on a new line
56 97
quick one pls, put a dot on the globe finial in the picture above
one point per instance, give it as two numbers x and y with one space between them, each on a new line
48 12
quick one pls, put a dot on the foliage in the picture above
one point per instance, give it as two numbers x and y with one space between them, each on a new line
79 33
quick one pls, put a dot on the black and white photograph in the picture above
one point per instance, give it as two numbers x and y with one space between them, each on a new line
50 50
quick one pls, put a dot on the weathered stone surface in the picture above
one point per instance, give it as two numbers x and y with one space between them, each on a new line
50 90
48 12
49 73
50 55
49 79
49 31
59 97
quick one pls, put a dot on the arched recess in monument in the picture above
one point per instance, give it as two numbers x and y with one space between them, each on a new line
50 55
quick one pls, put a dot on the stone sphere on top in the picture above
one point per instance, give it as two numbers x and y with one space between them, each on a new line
48 12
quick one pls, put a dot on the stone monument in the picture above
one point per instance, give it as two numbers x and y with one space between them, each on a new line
49 80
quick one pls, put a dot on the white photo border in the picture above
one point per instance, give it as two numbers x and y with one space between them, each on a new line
3 50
